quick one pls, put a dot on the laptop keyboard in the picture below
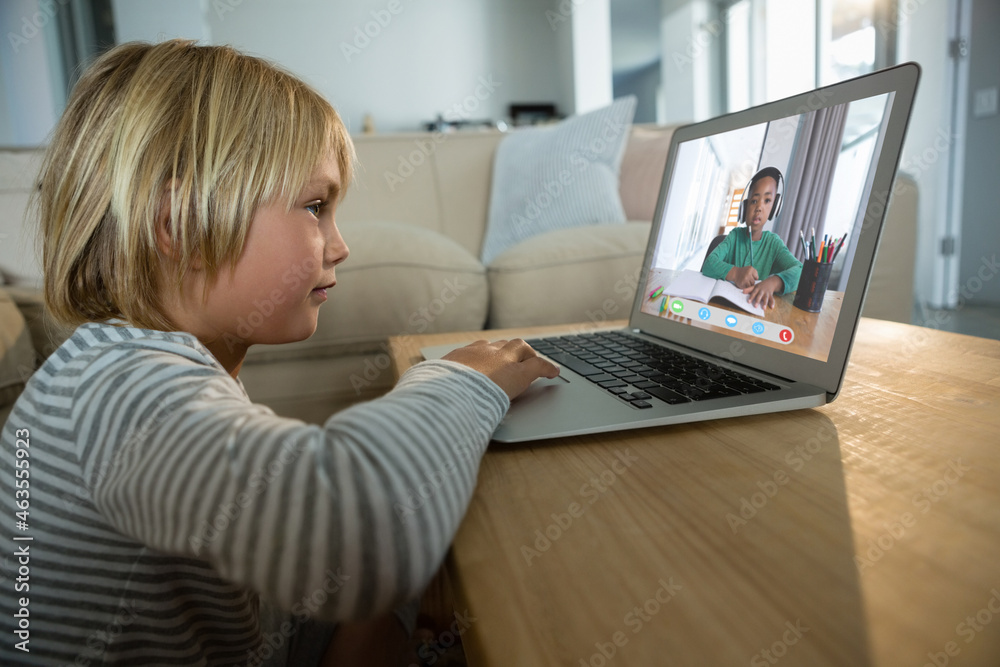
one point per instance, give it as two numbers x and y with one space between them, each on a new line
637 371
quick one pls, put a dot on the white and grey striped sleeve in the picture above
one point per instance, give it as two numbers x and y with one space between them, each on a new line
340 521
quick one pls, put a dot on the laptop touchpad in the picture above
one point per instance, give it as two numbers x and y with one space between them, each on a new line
543 386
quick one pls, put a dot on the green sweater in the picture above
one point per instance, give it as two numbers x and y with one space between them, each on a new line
770 258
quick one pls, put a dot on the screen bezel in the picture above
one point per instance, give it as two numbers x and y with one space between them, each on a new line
899 81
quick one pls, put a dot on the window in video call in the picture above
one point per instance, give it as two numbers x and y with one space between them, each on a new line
760 224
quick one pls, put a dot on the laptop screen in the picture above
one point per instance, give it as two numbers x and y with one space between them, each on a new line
758 229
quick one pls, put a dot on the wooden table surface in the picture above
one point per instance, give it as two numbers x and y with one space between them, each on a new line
865 532
813 331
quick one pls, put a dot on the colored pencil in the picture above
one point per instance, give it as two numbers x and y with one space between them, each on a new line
839 246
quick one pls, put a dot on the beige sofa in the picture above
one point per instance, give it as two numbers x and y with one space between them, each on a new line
414 220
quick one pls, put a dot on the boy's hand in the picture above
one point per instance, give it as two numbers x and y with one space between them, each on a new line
762 294
742 276
512 364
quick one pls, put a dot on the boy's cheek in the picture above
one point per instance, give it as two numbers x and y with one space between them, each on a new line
277 296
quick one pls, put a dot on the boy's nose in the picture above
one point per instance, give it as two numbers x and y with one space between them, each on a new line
336 248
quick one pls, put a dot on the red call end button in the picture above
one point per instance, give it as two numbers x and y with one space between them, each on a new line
786 335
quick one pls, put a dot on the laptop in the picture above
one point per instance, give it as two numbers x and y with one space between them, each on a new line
695 348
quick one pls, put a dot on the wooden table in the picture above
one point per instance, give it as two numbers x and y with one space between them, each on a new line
813 331
866 532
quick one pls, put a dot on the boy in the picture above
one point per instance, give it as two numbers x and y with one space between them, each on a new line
741 262
172 521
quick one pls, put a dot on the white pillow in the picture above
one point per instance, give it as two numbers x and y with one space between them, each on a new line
558 176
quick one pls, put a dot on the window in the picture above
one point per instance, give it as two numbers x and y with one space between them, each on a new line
777 48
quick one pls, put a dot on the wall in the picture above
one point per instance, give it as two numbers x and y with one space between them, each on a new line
592 75
980 242
154 20
402 61
6 127
27 29
689 65
635 54
923 38
644 83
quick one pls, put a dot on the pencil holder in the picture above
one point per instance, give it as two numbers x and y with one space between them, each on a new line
812 285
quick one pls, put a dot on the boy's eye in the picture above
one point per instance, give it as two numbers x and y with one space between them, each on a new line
315 208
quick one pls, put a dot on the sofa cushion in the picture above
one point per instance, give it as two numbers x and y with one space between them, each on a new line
435 180
642 170
587 274
46 334
17 355
556 177
399 279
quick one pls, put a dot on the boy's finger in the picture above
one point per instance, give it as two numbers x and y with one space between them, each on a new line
540 367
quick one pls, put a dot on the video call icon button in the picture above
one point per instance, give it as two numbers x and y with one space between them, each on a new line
677 306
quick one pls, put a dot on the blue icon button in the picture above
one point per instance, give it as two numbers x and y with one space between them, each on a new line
758 328
731 320
704 313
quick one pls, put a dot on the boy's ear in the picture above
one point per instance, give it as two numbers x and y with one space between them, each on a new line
164 230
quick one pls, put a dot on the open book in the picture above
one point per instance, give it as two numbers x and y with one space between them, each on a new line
695 285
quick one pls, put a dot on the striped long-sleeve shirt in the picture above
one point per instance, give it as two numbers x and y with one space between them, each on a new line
163 505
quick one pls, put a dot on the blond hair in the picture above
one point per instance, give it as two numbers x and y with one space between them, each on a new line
209 131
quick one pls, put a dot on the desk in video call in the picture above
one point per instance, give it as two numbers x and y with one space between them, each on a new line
813 331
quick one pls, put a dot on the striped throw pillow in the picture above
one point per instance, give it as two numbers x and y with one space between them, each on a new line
558 176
